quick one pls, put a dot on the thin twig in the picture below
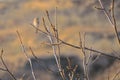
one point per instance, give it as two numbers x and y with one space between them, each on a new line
33 53
53 27
71 69
116 75
85 65
6 68
114 21
97 57
2 69
111 18
53 40
57 35
26 55
78 47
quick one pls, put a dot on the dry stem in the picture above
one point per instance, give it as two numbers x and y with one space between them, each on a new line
26 55
110 17
6 68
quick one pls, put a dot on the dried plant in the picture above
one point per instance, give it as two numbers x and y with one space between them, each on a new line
71 70
110 14
74 46
52 33
26 55
6 67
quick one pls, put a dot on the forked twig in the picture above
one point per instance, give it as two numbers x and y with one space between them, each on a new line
26 55
78 47
53 37
6 68
85 65
71 69
110 17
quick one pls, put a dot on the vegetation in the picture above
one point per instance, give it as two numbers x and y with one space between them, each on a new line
51 32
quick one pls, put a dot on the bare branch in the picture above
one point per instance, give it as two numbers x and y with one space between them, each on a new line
3 69
85 65
33 53
71 69
45 25
6 68
105 11
26 55
53 37
53 27
78 47
111 18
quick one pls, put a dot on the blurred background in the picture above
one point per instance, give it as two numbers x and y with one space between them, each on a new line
73 16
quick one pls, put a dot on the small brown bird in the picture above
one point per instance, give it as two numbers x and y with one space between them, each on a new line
36 23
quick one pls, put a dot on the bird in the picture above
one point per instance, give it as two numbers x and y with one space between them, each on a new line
36 23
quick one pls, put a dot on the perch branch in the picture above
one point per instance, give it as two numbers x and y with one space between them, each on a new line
78 47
